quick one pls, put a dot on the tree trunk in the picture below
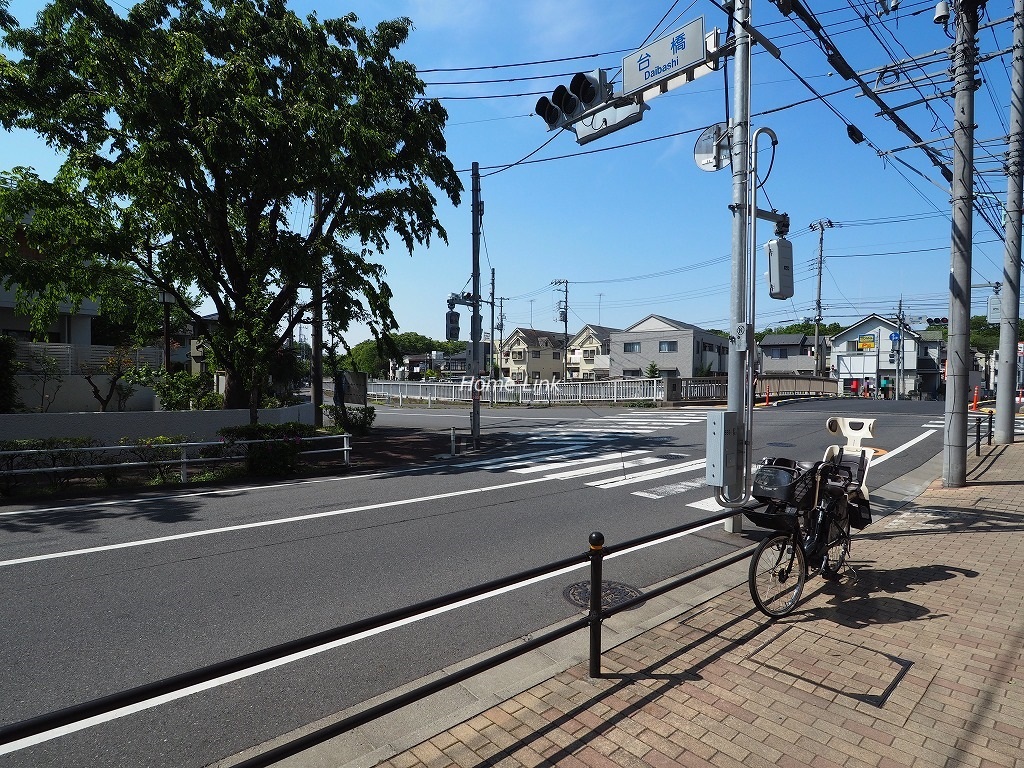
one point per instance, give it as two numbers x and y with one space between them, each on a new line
236 394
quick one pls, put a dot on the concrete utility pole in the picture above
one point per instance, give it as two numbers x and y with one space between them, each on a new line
476 324
819 225
316 374
490 344
564 317
1009 305
954 454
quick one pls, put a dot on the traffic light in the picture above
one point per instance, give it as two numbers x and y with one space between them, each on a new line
451 323
780 268
560 108
591 88
586 90
937 320
892 357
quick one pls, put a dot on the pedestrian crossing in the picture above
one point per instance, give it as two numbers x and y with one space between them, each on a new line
613 427
610 469
939 423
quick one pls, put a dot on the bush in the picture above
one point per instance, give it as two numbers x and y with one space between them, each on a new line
358 420
279 455
9 366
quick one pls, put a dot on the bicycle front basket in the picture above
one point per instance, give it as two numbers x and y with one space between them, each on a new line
774 517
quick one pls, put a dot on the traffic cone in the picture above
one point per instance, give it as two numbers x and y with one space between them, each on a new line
974 405
767 395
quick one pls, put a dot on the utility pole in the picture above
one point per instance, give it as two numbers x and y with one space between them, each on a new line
819 225
501 332
316 373
954 454
1009 305
599 296
476 324
490 344
563 312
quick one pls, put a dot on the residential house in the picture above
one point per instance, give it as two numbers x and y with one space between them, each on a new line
590 353
678 349
532 356
876 352
787 354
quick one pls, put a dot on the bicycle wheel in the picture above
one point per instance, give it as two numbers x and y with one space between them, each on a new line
838 548
777 575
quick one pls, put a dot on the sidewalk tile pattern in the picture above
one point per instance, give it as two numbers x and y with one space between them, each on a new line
914 658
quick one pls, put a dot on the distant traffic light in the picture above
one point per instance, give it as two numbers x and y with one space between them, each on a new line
451 323
937 320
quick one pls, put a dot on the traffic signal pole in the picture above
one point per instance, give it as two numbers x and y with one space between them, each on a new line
1009 307
734 490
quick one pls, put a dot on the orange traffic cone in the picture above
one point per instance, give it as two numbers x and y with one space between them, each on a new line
974 405
767 395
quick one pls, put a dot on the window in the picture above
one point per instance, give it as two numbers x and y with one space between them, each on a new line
518 354
668 346
779 354
631 347
631 373
535 354
555 355
589 354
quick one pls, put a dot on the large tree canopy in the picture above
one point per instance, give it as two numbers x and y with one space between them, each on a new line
195 132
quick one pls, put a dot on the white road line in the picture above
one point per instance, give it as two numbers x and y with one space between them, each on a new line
617 467
501 461
640 477
266 523
604 457
902 448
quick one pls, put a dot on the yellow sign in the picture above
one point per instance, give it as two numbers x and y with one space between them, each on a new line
865 341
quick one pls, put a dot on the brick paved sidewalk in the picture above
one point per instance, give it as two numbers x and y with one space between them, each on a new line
915 661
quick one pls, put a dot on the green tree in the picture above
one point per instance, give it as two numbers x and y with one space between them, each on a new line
194 132
652 371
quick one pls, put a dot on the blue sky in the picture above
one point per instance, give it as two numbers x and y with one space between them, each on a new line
630 220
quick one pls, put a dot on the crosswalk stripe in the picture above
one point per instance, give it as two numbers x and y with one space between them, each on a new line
640 477
708 505
670 490
616 467
607 457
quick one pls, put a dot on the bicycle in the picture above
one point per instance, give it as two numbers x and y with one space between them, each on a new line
811 506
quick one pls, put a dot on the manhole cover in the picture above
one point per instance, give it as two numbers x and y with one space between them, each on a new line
612 593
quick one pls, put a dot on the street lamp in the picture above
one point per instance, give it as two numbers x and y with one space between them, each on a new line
167 299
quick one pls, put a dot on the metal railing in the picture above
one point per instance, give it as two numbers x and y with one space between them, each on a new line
508 392
79 358
151 455
178 686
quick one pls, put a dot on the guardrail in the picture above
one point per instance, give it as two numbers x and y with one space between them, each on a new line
151 455
76 717
509 393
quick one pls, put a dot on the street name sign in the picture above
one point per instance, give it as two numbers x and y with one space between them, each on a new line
666 57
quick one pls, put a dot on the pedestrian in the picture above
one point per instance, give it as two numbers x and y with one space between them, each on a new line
854 386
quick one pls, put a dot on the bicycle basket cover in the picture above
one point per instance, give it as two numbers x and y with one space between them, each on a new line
774 483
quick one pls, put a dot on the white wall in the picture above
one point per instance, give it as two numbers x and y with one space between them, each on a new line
108 428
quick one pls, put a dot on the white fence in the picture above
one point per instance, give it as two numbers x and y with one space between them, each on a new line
499 392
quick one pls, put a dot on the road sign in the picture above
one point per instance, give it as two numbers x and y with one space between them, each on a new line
994 310
711 152
664 58
894 336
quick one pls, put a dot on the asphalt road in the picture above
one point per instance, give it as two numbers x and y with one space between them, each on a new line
101 597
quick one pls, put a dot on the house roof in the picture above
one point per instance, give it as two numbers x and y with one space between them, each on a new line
602 332
538 338
872 319
783 339
679 325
